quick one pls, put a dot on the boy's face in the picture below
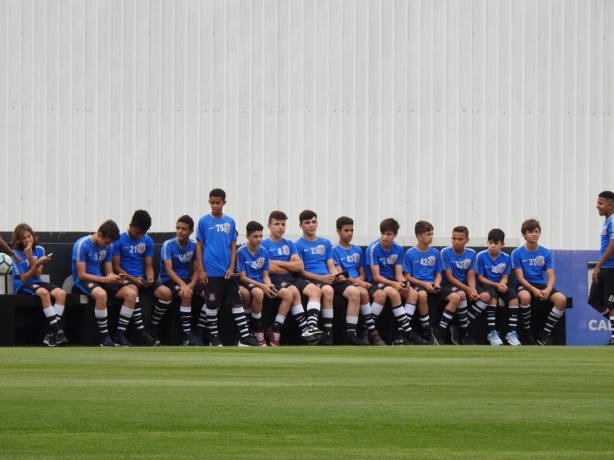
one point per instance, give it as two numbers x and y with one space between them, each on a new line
277 228
532 236
387 238
217 204
103 241
27 239
254 239
605 207
309 226
135 233
426 237
494 247
346 233
183 231
459 241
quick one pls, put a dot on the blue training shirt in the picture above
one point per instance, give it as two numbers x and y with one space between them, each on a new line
315 254
216 234
24 267
86 251
533 263
350 260
423 266
281 251
182 258
132 253
494 269
607 235
386 260
460 265
253 264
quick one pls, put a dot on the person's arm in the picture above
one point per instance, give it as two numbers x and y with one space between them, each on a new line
522 281
329 278
454 281
266 288
230 272
185 290
294 265
8 250
607 254
202 274
149 270
428 286
472 293
116 268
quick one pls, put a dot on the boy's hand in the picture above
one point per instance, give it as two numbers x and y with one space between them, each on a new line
202 277
230 273
401 286
185 291
28 250
328 279
502 288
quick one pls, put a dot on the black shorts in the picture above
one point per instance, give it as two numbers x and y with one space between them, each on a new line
374 288
510 294
285 281
174 287
31 288
88 286
149 289
222 291
539 286
602 292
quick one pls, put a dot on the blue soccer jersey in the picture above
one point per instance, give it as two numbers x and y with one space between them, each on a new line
19 268
87 252
350 260
281 251
182 258
216 234
460 265
253 264
132 253
493 269
423 266
607 235
386 260
533 263
315 254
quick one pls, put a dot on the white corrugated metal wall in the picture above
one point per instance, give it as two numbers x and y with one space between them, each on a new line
476 112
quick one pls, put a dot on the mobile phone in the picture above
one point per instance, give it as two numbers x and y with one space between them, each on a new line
345 274
49 255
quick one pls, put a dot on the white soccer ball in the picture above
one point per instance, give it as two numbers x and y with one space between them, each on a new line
6 263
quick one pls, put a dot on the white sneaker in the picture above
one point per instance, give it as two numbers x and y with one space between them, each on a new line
512 338
494 339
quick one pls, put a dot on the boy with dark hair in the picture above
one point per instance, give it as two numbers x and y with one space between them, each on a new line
216 243
133 259
348 258
459 265
88 253
422 267
319 268
384 268
530 262
284 264
179 273
494 267
601 295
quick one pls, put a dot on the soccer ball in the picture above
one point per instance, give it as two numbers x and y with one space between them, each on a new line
6 263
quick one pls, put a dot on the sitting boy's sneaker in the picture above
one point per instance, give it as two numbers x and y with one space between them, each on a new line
106 341
327 339
121 340
259 335
416 338
312 334
49 340
364 336
215 341
153 331
400 339
527 337
60 338
512 338
494 339
273 336
468 340
250 341
189 340
544 339
428 336
148 340
439 335
455 334
352 339
376 339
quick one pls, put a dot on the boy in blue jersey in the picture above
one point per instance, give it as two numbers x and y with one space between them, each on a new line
179 273
88 253
422 267
385 270
28 260
216 246
133 259
319 268
494 267
530 263
349 259
284 263
459 265
253 261
601 295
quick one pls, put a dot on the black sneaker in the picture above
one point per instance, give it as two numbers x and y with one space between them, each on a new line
376 339
400 339
49 340
153 331
147 340
428 336
189 340
455 334
312 334
250 341
415 338
60 338
121 340
353 339
327 339
468 340
215 341
611 342
527 337
544 339
106 341
439 335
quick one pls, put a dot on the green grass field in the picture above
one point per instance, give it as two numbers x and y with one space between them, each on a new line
307 402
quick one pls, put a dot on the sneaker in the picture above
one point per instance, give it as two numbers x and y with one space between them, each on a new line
215 341
202 336
400 339
60 338
494 339
512 338
153 331
376 339
439 335
352 339
105 341
260 337
147 340
121 340
49 340
544 339
327 339
415 338
312 334
428 336
611 342
189 340
527 337
250 341
455 334
364 336
273 336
